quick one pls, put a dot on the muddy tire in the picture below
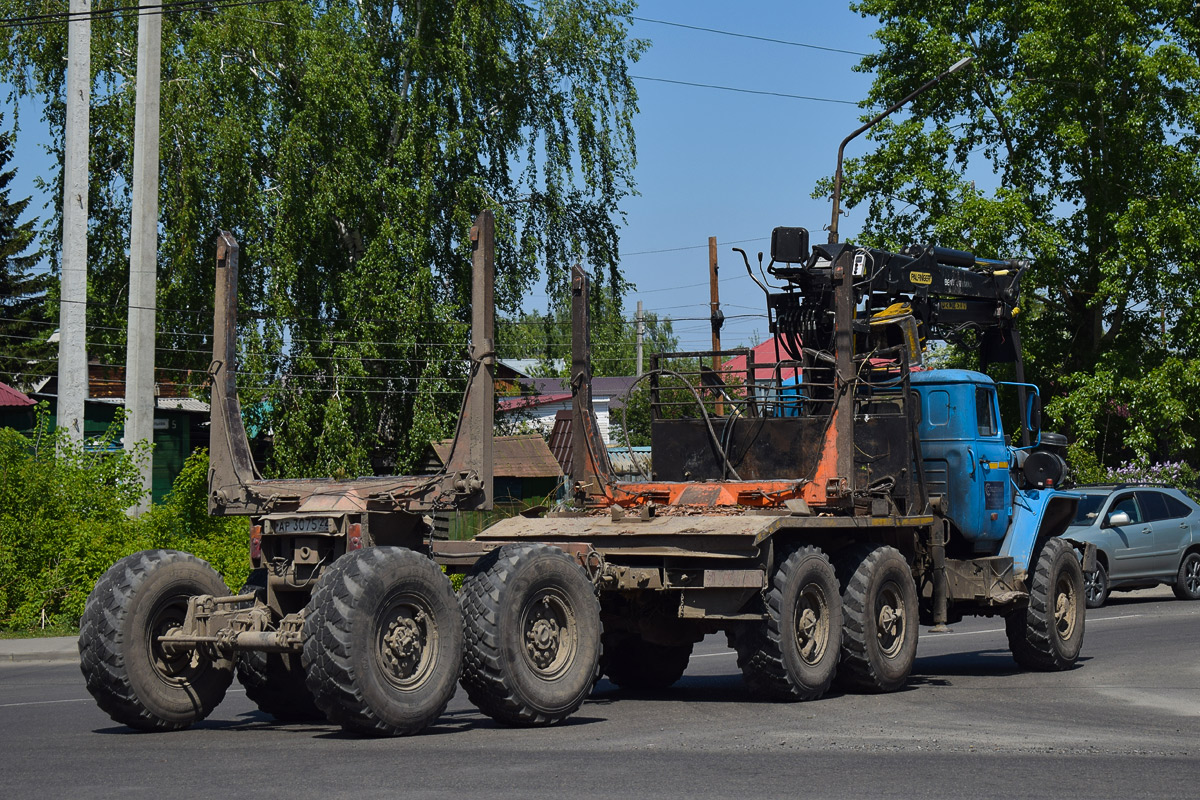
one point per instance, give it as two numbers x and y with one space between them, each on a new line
1187 581
533 635
134 680
793 655
1095 586
382 642
274 681
1048 635
880 619
631 662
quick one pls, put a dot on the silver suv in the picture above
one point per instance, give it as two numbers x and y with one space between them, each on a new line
1144 536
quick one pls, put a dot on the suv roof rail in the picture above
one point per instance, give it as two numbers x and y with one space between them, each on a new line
1134 485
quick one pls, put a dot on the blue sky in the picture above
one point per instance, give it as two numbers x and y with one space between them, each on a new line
710 162
734 165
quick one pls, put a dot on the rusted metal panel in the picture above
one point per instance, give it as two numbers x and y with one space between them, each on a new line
231 467
758 449
514 456
471 460
717 604
234 486
588 527
590 469
735 578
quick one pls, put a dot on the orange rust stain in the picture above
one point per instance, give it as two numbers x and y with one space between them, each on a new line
827 467
755 494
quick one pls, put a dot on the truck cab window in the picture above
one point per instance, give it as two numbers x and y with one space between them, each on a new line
985 412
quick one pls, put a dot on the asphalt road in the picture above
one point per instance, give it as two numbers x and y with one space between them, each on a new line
1124 723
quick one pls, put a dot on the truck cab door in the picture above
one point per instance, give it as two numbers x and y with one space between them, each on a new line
990 456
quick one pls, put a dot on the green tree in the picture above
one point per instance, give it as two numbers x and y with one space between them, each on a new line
1089 118
547 336
22 291
348 147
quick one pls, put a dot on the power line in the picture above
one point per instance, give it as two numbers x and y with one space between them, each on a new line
745 91
103 13
757 38
691 247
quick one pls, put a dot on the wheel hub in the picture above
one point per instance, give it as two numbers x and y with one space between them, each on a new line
1064 609
171 661
812 625
890 620
404 644
547 635
542 642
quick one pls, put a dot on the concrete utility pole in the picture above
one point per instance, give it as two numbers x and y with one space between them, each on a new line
641 332
72 309
143 246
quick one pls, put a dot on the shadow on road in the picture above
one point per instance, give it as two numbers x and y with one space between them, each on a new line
931 670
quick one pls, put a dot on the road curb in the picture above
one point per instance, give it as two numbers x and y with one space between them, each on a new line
58 650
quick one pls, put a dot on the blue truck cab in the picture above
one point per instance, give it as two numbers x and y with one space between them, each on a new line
994 508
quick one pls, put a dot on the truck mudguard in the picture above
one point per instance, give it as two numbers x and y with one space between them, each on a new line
1038 514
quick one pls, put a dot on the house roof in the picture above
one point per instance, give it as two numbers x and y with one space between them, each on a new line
11 398
764 362
560 440
513 456
531 401
543 391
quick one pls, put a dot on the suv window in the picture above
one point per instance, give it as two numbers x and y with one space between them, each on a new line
1128 504
985 416
1154 506
1177 507
1089 507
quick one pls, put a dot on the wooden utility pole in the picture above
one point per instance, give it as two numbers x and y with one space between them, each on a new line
718 319
72 308
143 246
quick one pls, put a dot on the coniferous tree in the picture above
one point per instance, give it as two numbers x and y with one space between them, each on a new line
23 329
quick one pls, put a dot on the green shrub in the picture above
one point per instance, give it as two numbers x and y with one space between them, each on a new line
63 523
181 522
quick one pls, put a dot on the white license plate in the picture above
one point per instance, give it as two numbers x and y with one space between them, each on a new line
302 525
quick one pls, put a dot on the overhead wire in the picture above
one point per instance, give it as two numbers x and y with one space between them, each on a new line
33 20
769 39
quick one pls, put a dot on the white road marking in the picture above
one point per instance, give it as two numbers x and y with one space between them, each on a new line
1001 630
46 702
79 700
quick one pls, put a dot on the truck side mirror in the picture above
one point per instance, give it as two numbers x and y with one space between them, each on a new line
1117 519
1034 416
789 245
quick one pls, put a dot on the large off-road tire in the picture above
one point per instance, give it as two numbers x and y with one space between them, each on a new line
134 679
383 642
1048 635
1187 581
880 619
533 635
633 663
274 681
1095 586
793 654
